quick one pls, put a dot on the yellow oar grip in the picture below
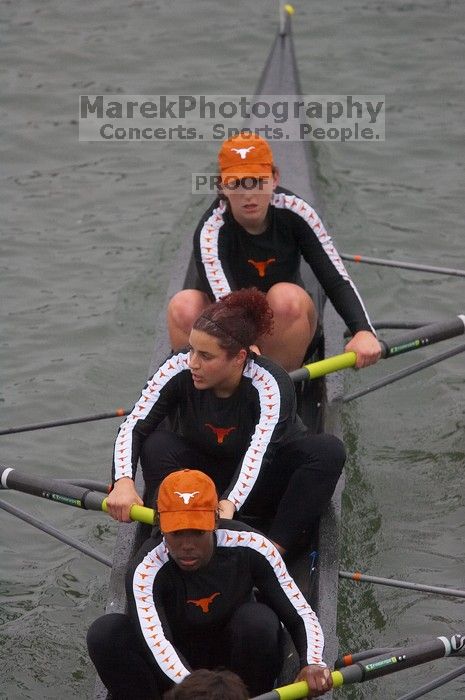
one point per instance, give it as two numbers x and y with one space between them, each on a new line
331 364
338 679
142 514
300 689
293 691
139 513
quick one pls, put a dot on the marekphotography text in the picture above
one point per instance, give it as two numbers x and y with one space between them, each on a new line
152 118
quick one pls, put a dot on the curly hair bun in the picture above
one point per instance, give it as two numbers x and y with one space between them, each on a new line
254 306
237 320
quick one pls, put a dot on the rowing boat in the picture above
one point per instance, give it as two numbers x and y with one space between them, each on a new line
318 401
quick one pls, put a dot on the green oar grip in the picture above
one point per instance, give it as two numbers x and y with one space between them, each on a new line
140 513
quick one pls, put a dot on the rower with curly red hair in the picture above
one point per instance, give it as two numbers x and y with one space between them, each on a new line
233 416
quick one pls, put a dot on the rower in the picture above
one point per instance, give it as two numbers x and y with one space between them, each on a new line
234 417
254 235
191 593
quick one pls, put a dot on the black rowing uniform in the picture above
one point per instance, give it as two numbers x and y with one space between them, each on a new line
229 258
177 612
241 432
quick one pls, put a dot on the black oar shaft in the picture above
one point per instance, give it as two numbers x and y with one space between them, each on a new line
52 489
401 658
421 337
405 372
390 662
67 493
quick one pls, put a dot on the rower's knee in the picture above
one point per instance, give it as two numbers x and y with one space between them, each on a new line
185 306
105 634
256 624
331 450
290 302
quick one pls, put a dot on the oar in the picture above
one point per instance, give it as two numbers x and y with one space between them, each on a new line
65 421
432 685
404 265
52 530
397 660
66 493
417 338
405 372
352 658
408 585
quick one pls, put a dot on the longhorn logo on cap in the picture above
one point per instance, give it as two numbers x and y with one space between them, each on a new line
186 497
243 151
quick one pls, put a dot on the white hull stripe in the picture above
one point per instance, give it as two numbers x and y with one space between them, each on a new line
150 395
209 252
163 651
259 543
270 406
309 215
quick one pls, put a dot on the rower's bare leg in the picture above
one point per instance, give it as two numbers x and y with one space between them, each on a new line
183 309
295 321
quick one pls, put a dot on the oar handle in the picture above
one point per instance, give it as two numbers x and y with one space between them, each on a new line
326 366
141 514
417 338
65 493
295 691
50 488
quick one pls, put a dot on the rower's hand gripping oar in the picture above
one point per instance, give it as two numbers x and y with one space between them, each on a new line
417 338
66 493
374 667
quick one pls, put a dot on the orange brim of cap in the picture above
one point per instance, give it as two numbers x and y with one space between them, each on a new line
187 520
237 173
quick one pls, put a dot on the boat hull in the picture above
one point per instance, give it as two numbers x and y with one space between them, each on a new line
318 400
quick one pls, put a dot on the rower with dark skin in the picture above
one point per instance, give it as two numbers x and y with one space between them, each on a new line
192 550
193 588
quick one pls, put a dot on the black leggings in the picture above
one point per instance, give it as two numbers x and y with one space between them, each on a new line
290 494
250 645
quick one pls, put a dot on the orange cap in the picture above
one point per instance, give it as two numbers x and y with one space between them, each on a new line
187 500
245 155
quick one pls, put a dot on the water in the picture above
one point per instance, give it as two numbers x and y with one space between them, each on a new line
88 235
